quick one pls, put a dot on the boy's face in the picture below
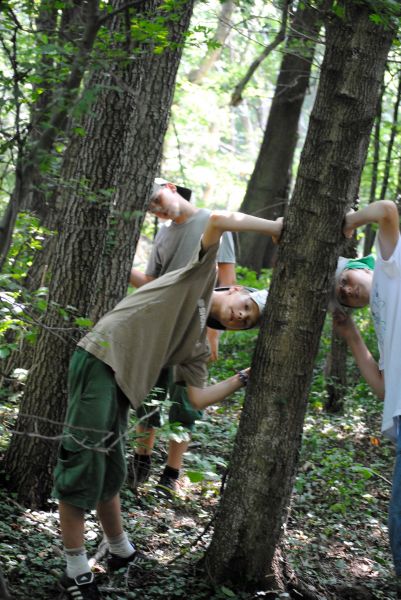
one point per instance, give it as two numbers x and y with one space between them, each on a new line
166 204
353 287
237 310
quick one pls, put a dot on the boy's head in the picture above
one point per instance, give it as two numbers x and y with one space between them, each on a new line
352 282
166 198
236 308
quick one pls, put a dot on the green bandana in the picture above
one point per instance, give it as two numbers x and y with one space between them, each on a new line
366 262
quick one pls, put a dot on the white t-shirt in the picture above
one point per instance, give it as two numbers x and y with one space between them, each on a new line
385 304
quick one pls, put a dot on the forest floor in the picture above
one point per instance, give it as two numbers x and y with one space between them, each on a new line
336 536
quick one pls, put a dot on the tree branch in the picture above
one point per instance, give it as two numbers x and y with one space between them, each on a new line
108 15
236 97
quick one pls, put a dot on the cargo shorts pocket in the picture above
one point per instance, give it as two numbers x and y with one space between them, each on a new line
78 471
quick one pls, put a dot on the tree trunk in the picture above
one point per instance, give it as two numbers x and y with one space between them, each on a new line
369 233
107 178
336 374
369 238
255 504
33 150
38 196
268 188
335 370
70 28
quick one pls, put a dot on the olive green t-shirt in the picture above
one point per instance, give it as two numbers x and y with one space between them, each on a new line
162 325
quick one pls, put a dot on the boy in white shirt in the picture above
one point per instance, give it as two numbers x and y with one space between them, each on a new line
382 288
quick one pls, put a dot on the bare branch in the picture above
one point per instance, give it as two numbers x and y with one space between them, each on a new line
236 97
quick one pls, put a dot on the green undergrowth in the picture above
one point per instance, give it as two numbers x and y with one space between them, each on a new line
336 535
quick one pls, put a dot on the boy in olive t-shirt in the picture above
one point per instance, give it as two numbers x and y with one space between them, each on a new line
116 365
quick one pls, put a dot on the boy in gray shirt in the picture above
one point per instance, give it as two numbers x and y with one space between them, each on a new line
173 247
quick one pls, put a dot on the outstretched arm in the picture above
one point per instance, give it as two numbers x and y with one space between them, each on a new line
221 221
346 328
200 398
385 214
138 279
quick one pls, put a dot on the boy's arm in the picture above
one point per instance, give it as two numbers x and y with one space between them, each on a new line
138 279
221 221
213 336
346 328
226 274
385 214
201 398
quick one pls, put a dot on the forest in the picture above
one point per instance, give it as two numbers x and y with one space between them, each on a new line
273 109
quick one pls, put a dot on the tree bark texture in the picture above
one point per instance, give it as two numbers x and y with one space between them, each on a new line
263 466
106 180
267 192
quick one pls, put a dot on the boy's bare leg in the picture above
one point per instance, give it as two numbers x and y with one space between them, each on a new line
146 440
72 523
109 514
176 451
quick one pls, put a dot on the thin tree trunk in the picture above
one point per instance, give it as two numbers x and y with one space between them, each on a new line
70 28
213 55
335 370
268 188
263 466
336 374
369 240
34 191
29 155
108 176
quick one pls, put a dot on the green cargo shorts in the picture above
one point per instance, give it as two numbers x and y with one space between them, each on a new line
91 463
181 410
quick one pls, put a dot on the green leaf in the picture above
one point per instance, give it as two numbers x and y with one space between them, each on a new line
195 476
375 18
339 10
227 592
82 322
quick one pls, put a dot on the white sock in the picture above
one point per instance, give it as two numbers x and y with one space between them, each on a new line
121 546
77 561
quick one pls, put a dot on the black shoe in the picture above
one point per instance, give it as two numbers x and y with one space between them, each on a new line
115 563
82 587
138 470
168 486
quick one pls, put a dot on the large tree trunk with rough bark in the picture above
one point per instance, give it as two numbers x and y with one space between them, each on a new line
107 177
267 192
263 466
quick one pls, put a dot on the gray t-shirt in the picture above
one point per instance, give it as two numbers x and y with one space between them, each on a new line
174 245
162 325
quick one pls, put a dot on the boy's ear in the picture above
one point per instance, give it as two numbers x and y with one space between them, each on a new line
171 186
